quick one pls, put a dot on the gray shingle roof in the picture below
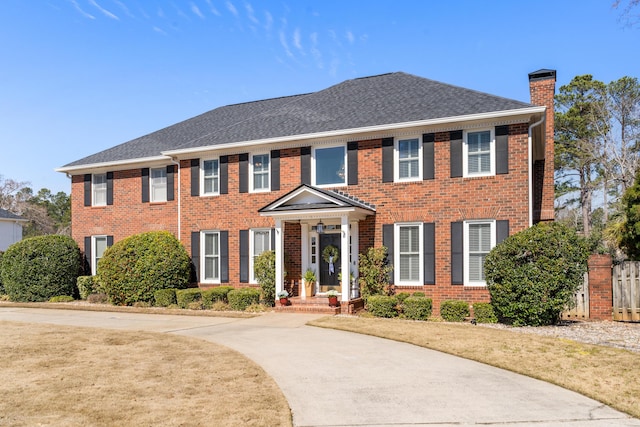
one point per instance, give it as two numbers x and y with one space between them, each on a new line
4 214
363 102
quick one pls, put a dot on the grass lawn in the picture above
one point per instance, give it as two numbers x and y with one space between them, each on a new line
68 376
609 375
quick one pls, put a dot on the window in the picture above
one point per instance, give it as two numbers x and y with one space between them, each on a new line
260 242
210 243
99 189
158 185
99 245
330 166
479 153
479 240
408 254
210 177
408 160
260 172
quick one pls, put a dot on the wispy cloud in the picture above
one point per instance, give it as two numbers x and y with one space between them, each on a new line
285 45
350 37
124 8
268 21
231 8
212 8
159 31
104 11
251 14
297 42
82 12
315 52
196 10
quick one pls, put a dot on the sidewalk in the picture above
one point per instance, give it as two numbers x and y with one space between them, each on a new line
335 378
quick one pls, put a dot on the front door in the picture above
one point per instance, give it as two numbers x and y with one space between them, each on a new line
329 271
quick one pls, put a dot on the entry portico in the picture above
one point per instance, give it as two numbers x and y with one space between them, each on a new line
329 227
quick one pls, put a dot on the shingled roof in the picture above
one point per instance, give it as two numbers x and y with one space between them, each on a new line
359 103
6 215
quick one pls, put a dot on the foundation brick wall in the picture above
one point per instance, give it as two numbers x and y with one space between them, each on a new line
600 287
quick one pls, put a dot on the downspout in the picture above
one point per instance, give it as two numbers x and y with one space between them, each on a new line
531 165
179 201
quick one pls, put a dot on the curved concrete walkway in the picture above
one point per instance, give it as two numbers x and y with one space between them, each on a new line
335 378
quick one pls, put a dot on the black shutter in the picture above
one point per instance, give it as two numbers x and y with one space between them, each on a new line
109 188
243 166
352 163
273 239
502 149
109 241
387 160
224 257
457 253
195 256
244 256
87 189
429 238
145 185
305 165
387 241
224 174
455 138
87 255
170 183
195 177
428 168
502 230
275 170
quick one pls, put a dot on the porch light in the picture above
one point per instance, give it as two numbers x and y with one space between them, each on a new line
320 227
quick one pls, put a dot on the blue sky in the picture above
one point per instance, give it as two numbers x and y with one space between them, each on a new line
80 76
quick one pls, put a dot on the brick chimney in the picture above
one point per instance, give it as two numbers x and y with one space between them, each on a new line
542 87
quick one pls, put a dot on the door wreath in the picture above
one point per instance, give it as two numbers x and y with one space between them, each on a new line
330 254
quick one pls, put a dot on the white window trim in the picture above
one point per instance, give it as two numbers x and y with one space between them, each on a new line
396 160
203 279
202 187
467 281
251 181
492 154
93 189
396 253
151 185
252 278
313 166
94 252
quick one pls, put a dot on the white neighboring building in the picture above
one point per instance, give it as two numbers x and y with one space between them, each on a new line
10 229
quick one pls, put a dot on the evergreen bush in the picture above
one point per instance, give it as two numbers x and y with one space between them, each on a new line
1 286
374 270
213 295
483 312
184 297
401 296
41 267
85 286
382 305
418 295
454 310
61 298
265 274
417 308
165 297
240 299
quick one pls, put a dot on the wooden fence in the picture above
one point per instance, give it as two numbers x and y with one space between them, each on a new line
626 291
581 308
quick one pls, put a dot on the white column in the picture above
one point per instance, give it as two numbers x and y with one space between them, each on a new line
344 258
355 248
304 238
279 256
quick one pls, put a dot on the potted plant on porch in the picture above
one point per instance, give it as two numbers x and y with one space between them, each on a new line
333 297
283 296
309 282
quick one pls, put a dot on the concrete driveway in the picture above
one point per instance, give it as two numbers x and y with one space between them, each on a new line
335 378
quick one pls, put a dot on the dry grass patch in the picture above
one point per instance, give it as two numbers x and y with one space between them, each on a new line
67 376
605 374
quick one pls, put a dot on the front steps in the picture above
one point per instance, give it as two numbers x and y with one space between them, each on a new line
319 305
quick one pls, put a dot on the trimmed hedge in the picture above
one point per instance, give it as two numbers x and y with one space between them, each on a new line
402 296
417 308
41 267
454 310
184 297
86 286
165 297
1 286
418 295
483 313
134 268
61 298
240 299
217 294
382 305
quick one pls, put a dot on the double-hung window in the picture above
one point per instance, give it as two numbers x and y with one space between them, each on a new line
99 244
260 241
260 172
409 254
210 177
210 258
158 185
330 166
479 153
480 238
408 160
99 189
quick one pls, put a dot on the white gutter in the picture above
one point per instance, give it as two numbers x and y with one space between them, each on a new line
91 166
179 201
531 165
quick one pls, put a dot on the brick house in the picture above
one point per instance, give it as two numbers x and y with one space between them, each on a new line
436 173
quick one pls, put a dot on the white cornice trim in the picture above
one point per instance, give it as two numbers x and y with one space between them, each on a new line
110 165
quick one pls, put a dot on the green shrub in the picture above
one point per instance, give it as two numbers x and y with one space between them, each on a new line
483 313
1 286
213 295
417 308
265 273
240 299
165 297
184 297
85 286
61 298
533 275
134 268
99 298
402 296
41 267
418 295
454 310
374 270
382 305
